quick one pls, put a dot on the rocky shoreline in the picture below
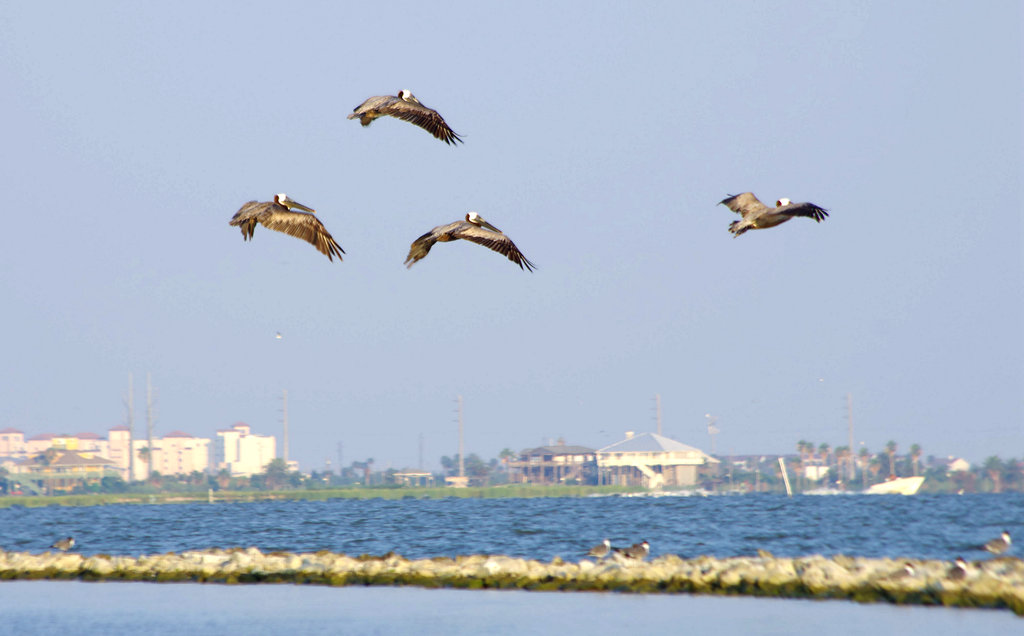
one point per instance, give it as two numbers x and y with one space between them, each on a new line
995 583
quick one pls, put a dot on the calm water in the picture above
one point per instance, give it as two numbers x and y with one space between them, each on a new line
67 607
940 527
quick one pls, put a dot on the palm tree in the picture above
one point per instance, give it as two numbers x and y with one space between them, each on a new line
825 452
890 450
915 458
994 467
875 466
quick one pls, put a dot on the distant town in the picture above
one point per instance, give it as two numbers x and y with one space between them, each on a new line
240 459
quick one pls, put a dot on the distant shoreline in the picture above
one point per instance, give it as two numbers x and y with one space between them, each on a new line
232 496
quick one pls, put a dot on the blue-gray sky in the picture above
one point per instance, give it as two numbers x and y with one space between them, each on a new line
600 137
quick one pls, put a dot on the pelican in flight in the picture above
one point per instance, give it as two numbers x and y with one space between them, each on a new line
405 106
278 215
757 216
475 229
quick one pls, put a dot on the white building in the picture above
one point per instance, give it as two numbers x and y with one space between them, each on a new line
176 453
650 460
241 452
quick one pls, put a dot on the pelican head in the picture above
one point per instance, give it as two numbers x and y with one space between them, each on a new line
408 96
781 202
282 199
478 220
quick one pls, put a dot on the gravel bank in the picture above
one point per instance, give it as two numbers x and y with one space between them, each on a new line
995 583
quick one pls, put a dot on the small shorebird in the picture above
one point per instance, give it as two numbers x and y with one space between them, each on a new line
405 106
907 571
998 545
958 571
637 551
474 229
601 550
758 216
64 544
279 215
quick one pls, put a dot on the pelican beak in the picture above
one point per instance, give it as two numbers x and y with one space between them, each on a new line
489 226
295 204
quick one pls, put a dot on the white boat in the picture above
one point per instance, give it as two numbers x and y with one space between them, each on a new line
901 486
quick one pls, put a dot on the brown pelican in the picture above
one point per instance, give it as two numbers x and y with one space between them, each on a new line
405 106
64 544
998 545
277 215
600 550
757 216
475 229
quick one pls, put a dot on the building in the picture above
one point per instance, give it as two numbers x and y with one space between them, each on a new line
242 453
650 460
60 471
556 464
12 444
176 453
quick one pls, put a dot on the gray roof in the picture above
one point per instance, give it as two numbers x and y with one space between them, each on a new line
560 449
649 443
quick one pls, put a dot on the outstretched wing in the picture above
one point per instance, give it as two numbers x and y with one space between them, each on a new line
497 242
420 248
810 210
426 118
745 204
374 103
304 226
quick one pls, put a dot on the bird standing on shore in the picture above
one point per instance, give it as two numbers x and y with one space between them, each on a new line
998 545
958 571
637 551
405 106
278 215
758 216
64 544
600 550
474 229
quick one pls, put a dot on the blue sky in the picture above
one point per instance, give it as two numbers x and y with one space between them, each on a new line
600 137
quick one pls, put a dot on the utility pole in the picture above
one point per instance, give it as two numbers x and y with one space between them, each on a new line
462 462
712 430
285 418
657 408
849 421
149 428
131 429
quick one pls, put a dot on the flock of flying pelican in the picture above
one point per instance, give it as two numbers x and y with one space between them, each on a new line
295 219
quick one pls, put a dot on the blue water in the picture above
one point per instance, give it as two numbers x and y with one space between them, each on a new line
922 526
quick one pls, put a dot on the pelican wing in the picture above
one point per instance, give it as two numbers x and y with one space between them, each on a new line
421 247
426 118
381 102
809 210
304 226
497 242
247 217
745 204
